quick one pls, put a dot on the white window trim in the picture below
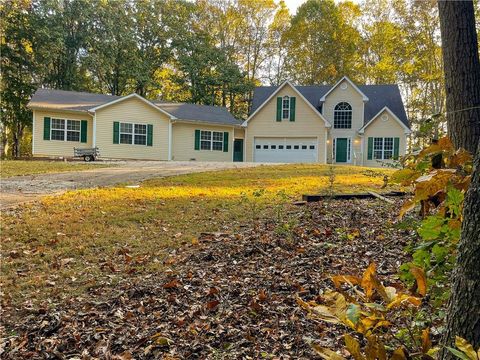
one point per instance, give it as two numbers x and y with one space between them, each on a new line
286 97
211 140
133 133
65 129
383 147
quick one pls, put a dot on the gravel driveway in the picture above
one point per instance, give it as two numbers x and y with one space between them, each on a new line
19 189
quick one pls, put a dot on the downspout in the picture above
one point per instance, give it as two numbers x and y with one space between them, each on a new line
33 132
94 134
170 130
361 149
233 141
326 145
245 145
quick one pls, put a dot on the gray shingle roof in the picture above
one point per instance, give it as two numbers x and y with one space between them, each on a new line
68 100
379 96
202 113
83 101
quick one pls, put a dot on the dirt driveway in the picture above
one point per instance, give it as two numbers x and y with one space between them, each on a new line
19 189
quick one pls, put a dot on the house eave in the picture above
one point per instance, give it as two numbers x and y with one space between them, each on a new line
210 123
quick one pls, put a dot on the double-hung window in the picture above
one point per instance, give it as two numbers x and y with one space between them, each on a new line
285 107
135 134
217 143
383 148
126 133
140 134
211 140
205 140
65 130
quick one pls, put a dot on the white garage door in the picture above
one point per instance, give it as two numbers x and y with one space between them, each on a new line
285 150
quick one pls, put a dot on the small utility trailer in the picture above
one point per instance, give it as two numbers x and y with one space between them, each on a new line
88 154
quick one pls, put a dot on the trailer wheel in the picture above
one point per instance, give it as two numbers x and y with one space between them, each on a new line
88 158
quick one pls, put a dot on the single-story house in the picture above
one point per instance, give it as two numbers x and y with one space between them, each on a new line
344 123
132 127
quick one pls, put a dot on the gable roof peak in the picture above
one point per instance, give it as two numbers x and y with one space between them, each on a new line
132 95
327 124
345 78
395 117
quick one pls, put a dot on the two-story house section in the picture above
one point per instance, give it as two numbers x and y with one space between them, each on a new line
344 123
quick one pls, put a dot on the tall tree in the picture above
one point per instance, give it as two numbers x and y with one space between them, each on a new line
112 47
17 65
462 81
462 72
421 72
322 46
60 31
152 33
275 69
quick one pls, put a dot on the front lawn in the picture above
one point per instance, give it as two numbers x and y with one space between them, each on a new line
84 240
9 168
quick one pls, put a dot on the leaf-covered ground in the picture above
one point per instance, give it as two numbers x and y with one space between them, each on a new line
63 245
223 296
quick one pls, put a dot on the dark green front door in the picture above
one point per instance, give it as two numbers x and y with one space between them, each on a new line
238 150
341 150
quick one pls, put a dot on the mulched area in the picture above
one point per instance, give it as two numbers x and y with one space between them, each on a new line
225 296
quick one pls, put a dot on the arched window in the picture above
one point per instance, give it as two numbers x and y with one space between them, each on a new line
342 116
285 107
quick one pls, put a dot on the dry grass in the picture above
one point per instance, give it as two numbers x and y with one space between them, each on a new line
77 241
10 168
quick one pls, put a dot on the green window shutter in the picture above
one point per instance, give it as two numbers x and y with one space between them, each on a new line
116 132
279 109
292 109
149 135
370 148
83 131
197 139
225 141
46 128
396 145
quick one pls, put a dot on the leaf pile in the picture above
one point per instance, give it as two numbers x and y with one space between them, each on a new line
229 295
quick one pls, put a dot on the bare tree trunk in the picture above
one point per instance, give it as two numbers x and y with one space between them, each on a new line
463 317
462 85
462 72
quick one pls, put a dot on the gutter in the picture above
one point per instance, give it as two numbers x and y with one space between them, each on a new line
205 122
39 108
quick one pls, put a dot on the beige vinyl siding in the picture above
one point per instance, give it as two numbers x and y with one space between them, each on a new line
239 133
381 128
57 147
132 110
307 124
183 143
354 98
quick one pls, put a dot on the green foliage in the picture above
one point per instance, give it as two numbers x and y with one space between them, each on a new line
216 52
320 34
440 176
465 350
18 64
376 314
